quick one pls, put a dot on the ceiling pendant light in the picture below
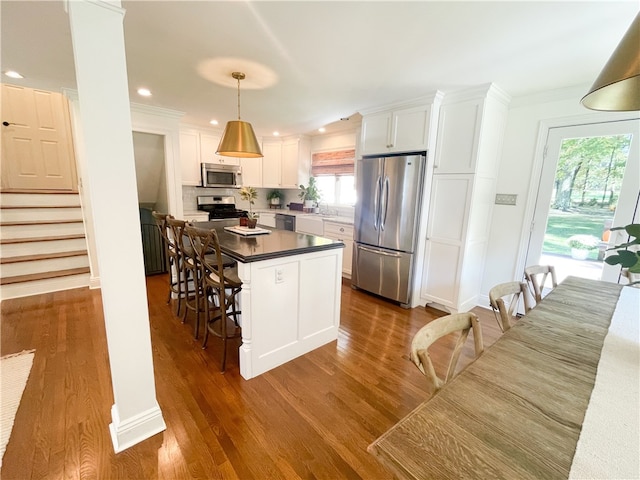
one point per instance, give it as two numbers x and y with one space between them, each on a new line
238 139
617 88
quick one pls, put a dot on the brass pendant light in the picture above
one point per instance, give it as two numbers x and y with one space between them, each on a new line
238 139
617 88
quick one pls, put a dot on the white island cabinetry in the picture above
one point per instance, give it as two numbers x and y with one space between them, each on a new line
290 306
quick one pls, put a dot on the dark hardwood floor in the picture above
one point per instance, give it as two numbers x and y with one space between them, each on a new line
310 418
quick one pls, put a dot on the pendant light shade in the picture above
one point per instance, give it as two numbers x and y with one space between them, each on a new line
238 139
617 88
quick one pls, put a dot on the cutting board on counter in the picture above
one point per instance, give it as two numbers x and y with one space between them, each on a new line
246 231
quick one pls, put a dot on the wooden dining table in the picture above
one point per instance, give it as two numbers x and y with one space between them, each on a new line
517 411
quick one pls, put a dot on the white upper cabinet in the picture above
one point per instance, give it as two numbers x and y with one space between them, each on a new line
196 147
286 163
251 172
271 164
296 160
458 133
208 146
190 157
399 130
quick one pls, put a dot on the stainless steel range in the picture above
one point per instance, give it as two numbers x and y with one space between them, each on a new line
219 207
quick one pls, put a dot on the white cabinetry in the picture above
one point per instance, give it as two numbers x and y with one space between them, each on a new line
271 164
190 157
344 233
468 147
196 147
208 146
251 172
267 219
399 130
286 163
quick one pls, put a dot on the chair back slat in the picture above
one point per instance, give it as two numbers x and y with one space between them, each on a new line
511 291
438 328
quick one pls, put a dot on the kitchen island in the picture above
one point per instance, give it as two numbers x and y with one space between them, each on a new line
290 298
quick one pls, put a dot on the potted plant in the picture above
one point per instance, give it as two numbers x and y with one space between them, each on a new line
628 253
275 197
581 245
250 194
310 194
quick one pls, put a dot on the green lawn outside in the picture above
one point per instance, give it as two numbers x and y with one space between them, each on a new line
561 225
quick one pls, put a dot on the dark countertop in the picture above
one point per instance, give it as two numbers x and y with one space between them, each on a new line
278 243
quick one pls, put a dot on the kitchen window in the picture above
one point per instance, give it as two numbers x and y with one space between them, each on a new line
334 173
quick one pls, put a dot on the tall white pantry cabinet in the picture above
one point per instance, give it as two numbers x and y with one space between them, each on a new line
469 141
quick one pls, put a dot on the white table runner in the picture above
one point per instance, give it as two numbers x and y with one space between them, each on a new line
609 443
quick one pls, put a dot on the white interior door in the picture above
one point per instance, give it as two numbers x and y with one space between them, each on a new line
627 201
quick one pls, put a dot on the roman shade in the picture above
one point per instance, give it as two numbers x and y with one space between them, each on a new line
339 162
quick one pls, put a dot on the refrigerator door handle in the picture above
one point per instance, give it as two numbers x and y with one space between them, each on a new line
379 252
385 204
376 203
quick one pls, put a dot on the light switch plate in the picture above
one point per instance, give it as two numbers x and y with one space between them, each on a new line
506 199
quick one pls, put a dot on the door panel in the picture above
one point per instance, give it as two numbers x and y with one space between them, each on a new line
37 152
383 272
402 181
368 186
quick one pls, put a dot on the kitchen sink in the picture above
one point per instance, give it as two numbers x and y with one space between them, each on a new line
312 224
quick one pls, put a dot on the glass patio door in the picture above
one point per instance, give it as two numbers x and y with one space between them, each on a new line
590 182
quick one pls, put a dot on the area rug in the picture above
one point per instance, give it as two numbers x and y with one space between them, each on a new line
14 372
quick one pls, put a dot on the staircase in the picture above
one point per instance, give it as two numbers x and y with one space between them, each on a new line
42 243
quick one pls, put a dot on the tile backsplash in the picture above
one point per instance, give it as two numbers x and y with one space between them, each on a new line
190 201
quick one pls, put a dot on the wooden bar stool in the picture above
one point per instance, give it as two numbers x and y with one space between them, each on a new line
220 287
173 258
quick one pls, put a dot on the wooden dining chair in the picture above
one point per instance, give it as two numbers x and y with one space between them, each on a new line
438 328
536 276
220 288
512 291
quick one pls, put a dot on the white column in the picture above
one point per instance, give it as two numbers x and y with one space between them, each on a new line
101 73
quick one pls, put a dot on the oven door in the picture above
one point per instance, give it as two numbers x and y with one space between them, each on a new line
222 176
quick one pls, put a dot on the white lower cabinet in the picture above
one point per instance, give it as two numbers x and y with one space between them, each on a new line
267 219
344 233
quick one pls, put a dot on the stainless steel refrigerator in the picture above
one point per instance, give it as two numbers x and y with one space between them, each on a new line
387 212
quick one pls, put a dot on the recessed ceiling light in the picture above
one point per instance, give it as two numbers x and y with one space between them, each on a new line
214 122
145 92
12 74
275 134
322 129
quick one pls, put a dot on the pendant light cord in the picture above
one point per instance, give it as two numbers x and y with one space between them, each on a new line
238 98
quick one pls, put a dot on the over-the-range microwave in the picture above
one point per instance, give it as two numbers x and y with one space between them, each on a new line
221 176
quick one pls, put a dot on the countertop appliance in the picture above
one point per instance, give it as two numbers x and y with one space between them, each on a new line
221 176
386 224
219 207
285 222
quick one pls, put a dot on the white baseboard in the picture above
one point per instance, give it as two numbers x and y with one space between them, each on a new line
94 282
134 430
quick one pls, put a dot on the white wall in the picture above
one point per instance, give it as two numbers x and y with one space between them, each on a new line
148 150
527 124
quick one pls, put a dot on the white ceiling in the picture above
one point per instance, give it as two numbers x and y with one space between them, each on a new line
310 63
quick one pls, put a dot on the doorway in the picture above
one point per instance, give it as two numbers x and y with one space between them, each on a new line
589 182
